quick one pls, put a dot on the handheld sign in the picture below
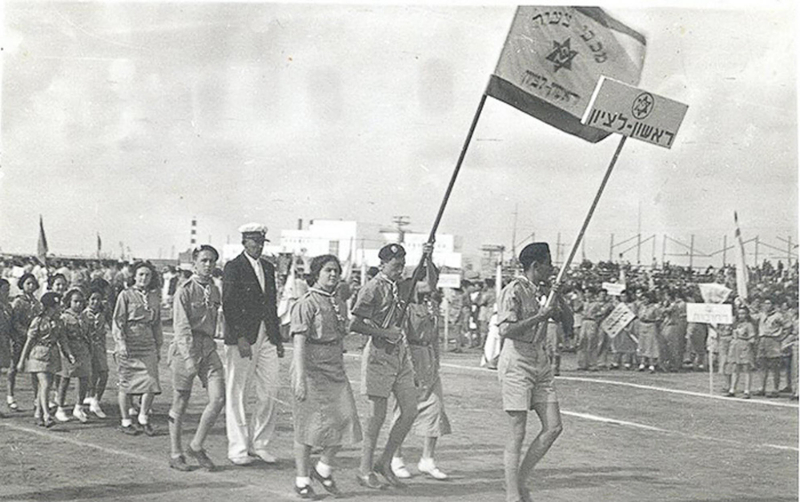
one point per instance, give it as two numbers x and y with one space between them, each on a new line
452 281
616 321
630 111
709 313
613 288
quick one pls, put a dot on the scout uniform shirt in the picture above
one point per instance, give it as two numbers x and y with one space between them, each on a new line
195 319
23 309
519 300
379 302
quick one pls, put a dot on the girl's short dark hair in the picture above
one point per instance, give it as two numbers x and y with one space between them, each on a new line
53 279
69 294
318 262
136 266
50 299
25 277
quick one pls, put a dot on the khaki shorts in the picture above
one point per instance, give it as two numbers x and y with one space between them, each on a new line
383 373
209 368
525 376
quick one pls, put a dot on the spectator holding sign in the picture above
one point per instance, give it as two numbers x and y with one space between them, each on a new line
740 357
650 315
624 344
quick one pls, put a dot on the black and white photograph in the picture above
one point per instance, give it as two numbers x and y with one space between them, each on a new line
435 251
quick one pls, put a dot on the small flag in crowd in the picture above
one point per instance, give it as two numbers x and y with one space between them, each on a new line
41 247
553 58
713 292
741 268
99 245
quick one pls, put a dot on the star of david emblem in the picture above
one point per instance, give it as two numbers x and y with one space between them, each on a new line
562 55
642 105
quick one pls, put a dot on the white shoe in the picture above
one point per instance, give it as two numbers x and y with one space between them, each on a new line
80 414
246 460
266 457
427 466
94 407
61 415
399 468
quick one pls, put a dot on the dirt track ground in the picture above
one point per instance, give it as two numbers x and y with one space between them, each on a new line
628 436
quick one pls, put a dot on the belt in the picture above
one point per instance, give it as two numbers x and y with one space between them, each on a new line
419 344
313 341
647 322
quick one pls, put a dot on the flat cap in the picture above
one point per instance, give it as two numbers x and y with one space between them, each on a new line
534 252
391 251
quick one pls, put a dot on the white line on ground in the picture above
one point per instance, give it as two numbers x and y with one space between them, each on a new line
637 386
613 421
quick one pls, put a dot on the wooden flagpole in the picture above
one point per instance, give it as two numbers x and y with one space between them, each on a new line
577 243
432 236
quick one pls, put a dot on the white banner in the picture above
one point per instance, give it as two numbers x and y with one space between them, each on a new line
452 281
709 313
616 321
614 288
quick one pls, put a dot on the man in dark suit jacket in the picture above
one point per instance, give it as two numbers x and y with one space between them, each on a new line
252 348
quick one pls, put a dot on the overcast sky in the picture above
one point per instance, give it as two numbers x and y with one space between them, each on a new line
130 119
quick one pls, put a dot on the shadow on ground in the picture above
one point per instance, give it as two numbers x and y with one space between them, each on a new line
109 491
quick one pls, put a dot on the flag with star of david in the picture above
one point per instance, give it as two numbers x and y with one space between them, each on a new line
553 58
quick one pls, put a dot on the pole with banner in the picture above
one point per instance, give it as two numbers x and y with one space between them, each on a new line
631 112
548 68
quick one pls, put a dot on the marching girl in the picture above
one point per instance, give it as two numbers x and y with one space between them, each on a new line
76 333
24 309
40 355
422 332
138 339
95 320
325 414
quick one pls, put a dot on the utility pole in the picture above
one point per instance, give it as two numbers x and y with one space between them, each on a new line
724 249
756 253
400 222
663 250
514 231
653 257
691 253
611 250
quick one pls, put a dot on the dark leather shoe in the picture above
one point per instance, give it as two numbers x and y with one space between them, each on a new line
328 483
388 475
179 464
201 457
130 430
306 492
370 481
